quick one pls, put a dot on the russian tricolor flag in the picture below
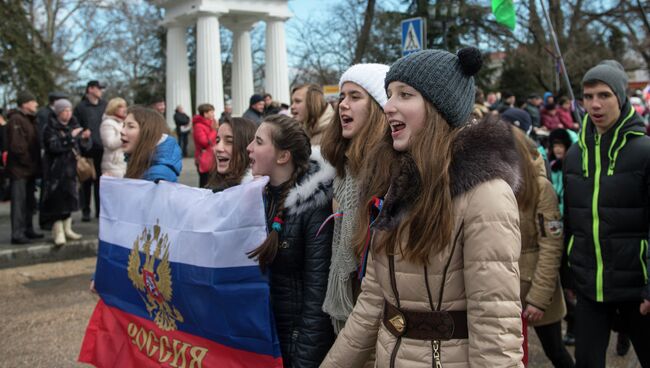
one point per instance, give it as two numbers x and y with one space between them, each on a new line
176 286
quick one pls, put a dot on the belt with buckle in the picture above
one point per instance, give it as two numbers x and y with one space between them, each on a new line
437 325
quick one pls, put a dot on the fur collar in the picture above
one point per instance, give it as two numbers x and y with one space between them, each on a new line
482 151
314 188
248 177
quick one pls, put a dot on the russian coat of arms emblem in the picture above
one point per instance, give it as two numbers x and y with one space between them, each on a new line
154 283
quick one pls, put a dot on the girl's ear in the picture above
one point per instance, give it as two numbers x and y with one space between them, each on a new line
283 157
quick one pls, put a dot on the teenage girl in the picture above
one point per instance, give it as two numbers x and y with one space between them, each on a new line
358 127
297 252
151 153
441 285
232 165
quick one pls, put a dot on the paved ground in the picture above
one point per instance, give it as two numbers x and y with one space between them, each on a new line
45 307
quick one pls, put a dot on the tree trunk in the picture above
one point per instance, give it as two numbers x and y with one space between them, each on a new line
364 35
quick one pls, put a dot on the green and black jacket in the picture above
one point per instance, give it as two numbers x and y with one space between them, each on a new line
607 210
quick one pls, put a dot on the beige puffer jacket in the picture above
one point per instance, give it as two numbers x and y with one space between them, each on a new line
482 278
541 252
113 162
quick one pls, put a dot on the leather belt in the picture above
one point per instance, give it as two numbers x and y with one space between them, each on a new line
439 325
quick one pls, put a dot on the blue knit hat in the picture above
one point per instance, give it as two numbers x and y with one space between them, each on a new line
443 78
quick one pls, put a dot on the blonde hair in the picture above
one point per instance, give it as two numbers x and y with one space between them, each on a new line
114 104
315 104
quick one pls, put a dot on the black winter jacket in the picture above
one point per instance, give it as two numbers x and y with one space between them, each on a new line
607 210
299 272
181 119
24 149
43 116
90 116
60 195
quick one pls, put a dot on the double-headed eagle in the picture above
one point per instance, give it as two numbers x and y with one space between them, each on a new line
156 285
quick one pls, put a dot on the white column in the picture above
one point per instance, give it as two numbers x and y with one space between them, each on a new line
277 70
242 69
178 74
209 81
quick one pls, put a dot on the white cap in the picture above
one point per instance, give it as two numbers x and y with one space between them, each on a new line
370 77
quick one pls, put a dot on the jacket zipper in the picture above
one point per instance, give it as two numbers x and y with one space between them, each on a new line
437 359
642 257
569 249
596 223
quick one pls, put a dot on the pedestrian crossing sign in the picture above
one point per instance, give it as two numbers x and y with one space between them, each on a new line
413 35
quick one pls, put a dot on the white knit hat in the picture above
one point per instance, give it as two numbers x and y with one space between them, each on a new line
370 77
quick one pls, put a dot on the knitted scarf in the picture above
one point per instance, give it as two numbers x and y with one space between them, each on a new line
339 299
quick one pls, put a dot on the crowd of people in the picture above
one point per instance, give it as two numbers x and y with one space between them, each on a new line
415 222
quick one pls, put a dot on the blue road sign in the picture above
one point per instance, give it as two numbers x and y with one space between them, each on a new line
413 35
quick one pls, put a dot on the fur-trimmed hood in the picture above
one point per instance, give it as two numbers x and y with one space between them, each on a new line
314 188
483 150
248 177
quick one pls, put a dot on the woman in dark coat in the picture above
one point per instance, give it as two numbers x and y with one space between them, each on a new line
62 136
298 251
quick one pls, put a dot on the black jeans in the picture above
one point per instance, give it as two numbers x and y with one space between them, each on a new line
182 141
551 339
91 186
593 322
23 204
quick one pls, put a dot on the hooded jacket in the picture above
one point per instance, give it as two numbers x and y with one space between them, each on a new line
607 207
24 152
298 274
482 277
167 162
205 137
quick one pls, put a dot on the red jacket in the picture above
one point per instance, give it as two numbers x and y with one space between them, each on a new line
551 122
204 139
565 118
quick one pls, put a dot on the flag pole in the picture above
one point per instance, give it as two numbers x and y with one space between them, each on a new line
559 53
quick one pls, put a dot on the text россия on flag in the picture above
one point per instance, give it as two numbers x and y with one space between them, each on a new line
176 286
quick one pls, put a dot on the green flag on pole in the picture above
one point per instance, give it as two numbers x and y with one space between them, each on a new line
504 11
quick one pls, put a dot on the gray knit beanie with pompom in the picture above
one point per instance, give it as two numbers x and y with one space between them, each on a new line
443 78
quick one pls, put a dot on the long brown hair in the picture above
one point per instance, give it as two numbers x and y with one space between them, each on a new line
243 132
527 194
316 105
340 151
286 134
428 226
152 127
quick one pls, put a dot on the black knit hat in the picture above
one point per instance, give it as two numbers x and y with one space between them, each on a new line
255 99
519 118
443 78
